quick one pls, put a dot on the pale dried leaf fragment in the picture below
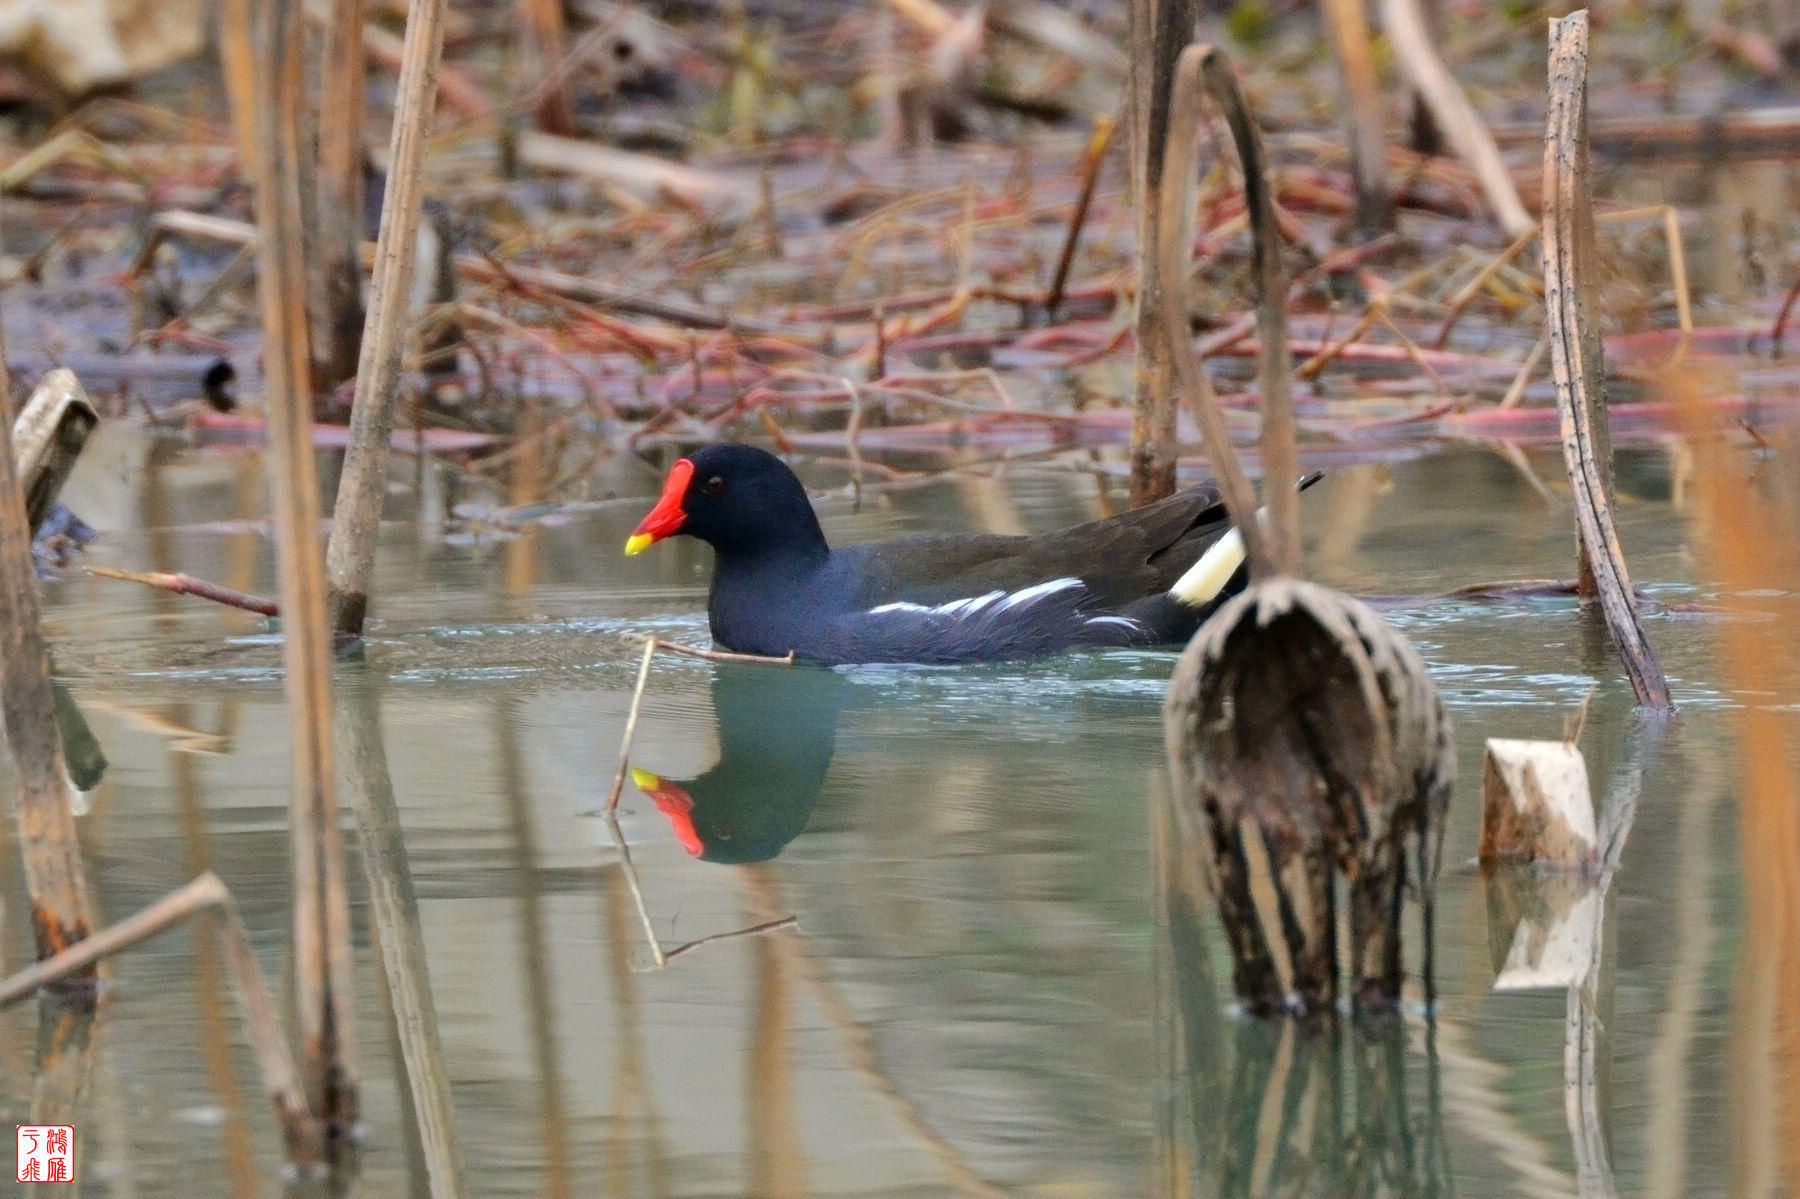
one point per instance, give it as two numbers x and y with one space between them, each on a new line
1535 804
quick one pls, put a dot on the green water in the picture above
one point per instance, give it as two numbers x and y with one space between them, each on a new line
990 985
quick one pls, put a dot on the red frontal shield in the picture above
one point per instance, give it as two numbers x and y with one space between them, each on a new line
667 516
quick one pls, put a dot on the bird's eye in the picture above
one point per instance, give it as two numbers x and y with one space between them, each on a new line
714 485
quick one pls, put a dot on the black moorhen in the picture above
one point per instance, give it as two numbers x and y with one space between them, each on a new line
1144 577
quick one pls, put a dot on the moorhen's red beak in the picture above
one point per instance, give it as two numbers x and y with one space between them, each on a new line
667 516
674 803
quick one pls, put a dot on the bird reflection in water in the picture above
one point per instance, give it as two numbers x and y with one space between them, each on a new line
777 728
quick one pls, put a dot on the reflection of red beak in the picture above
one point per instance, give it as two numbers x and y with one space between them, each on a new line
674 803
667 516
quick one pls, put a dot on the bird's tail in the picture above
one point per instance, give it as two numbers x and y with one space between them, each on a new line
1203 582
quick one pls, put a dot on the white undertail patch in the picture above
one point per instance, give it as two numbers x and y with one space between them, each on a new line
1206 578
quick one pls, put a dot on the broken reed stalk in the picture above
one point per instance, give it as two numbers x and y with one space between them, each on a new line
199 895
337 312
1576 361
394 913
48 437
1413 49
1348 21
1305 731
356 517
54 876
205 893
1159 31
322 978
1091 161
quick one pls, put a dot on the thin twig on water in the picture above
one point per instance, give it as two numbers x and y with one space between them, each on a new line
720 655
637 702
202 894
631 881
1779 327
755 930
186 584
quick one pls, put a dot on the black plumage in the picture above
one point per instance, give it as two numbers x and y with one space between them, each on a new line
936 598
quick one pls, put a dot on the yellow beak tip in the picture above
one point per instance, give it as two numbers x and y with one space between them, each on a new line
637 543
644 779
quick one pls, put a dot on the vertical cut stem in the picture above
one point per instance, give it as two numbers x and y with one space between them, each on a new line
1575 352
337 316
321 909
1160 29
1275 550
54 876
356 520
1348 21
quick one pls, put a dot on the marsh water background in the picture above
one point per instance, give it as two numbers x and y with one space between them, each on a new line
988 986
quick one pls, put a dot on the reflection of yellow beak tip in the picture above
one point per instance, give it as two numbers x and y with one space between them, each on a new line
637 543
644 780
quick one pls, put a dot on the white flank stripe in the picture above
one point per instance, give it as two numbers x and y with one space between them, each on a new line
968 607
959 607
1124 622
972 605
1027 595
1206 578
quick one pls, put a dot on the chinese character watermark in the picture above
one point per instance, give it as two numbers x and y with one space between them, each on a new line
46 1152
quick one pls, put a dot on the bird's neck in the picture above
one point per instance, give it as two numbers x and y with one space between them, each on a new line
768 573
800 548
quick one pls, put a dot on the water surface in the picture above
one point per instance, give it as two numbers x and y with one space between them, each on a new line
992 987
